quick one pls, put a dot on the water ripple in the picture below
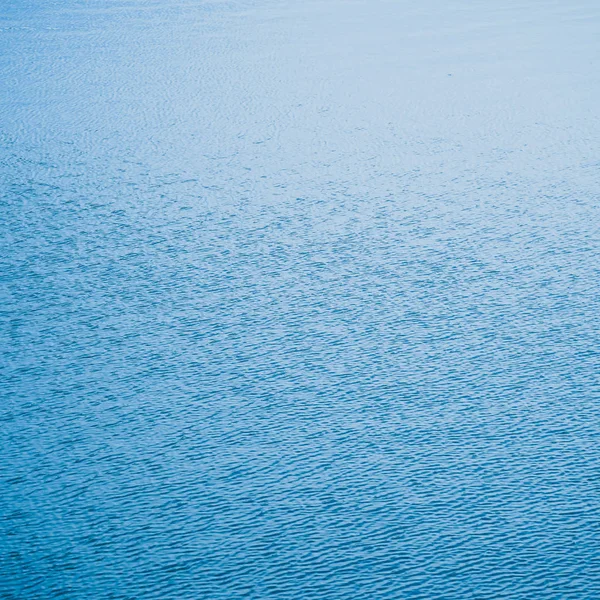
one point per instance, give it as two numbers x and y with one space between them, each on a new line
299 300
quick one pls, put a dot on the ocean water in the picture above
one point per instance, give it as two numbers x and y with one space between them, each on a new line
299 300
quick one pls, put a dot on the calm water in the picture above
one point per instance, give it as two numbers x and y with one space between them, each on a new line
299 300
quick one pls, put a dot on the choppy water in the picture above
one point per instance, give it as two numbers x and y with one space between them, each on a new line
300 300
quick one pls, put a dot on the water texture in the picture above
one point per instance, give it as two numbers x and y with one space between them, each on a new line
299 300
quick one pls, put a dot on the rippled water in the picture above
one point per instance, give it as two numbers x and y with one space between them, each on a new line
300 300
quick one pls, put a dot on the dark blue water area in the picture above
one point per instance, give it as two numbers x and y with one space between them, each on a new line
299 300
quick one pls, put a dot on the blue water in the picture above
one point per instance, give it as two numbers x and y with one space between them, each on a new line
299 300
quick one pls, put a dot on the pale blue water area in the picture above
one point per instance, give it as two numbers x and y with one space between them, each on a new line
299 299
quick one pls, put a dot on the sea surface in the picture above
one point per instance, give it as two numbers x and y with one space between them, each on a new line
299 299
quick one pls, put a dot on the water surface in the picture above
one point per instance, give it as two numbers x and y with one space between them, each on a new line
299 300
